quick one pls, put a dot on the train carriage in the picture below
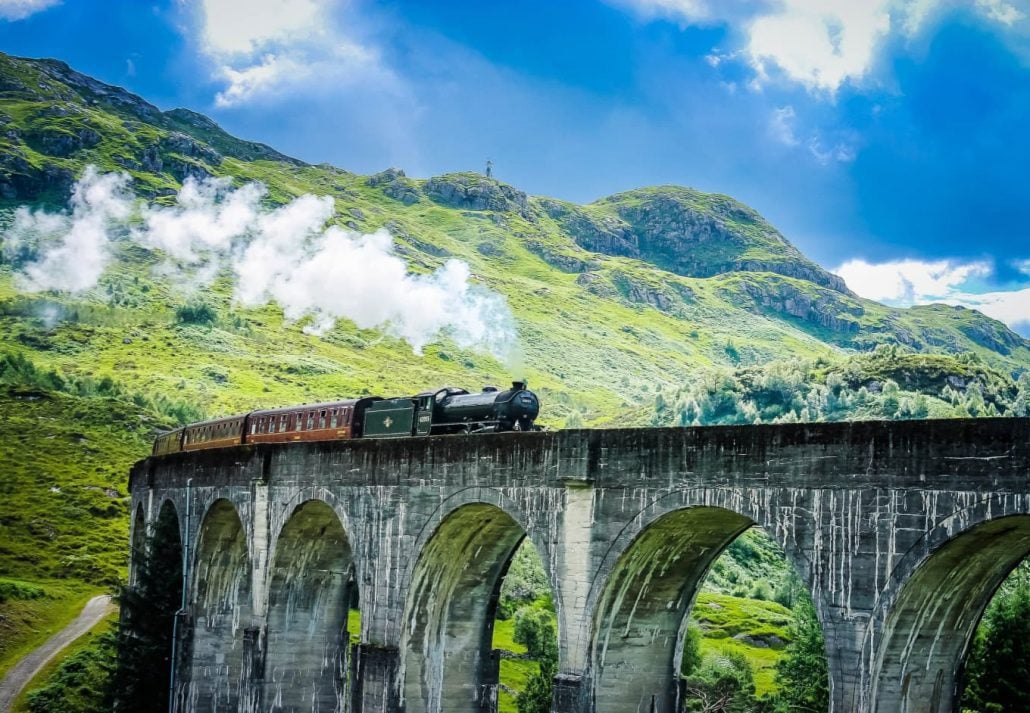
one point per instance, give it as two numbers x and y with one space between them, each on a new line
218 433
330 421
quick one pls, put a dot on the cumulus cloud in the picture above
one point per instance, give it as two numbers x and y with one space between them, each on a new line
12 10
268 49
288 255
908 280
822 44
247 26
912 282
818 43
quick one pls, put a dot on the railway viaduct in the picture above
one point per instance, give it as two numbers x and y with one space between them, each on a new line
902 531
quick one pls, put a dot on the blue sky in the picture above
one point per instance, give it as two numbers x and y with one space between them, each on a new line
888 139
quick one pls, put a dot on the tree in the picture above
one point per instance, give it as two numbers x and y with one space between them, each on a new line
999 660
148 608
535 629
721 684
691 650
801 675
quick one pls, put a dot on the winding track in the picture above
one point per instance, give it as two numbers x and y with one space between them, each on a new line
23 671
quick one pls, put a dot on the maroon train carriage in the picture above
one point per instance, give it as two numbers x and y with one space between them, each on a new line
336 420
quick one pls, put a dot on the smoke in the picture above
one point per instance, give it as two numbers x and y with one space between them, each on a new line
288 255
74 246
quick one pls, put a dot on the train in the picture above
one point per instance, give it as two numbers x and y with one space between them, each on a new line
446 410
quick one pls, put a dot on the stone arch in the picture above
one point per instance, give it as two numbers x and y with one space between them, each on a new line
447 638
307 639
223 645
638 622
932 619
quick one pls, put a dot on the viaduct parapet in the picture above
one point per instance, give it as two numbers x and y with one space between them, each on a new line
902 531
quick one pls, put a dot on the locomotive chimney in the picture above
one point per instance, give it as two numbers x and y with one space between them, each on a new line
518 385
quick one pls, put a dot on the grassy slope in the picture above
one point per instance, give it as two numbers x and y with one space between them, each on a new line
63 508
27 623
757 629
85 645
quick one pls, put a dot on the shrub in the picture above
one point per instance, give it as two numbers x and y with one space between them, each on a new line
196 313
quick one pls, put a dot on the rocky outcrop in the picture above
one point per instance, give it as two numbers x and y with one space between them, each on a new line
700 235
60 142
639 292
601 234
992 334
686 232
211 134
395 185
471 191
184 145
824 308
564 261
20 180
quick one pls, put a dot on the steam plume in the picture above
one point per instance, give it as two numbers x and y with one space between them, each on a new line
287 255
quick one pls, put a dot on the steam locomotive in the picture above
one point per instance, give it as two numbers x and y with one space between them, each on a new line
448 410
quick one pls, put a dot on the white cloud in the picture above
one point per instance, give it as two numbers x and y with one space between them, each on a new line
279 75
1011 307
253 80
840 152
913 282
818 43
274 50
12 10
689 11
909 281
286 255
781 126
249 26
1000 11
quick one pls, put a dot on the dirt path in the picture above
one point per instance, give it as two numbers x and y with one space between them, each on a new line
23 671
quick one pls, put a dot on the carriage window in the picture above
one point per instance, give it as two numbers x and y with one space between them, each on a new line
321 420
311 420
332 418
282 422
253 427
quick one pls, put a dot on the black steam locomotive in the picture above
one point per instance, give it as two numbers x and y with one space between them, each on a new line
448 410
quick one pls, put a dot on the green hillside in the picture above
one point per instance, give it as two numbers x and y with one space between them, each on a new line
631 310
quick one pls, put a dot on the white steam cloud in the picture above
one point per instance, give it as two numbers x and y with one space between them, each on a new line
76 260
287 255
